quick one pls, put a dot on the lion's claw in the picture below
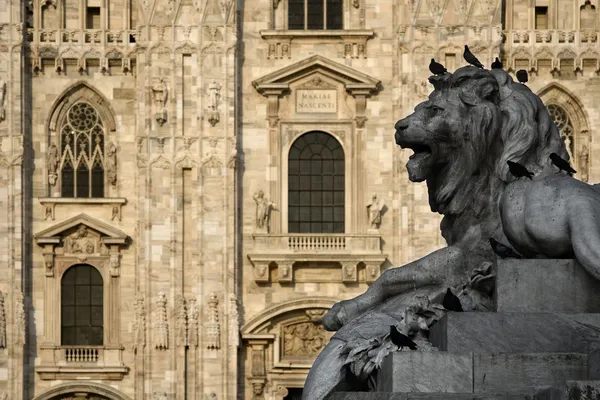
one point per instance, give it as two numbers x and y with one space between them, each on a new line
335 318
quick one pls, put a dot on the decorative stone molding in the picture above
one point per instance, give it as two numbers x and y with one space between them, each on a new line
161 324
279 42
77 240
139 324
284 250
21 321
71 388
2 322
234 322
213 327
349 272
2 99
181 327
50 203
193 322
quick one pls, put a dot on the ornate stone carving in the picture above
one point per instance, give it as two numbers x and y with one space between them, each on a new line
214 95
583 163
161 94
356 3
159 396
161 326
3 396
305 339
115 213
263 211
374 209
2 322
193 322
181 320
21 324
139 324
234 321
81 241
111 164
52 159
2 99
233 153
213 327
258 389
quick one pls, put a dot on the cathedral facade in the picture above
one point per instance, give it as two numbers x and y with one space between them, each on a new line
186 186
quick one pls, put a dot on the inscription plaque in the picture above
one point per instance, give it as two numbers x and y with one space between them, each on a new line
316 101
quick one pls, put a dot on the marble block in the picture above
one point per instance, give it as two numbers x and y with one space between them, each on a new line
426 372
537 285
526 372
488 332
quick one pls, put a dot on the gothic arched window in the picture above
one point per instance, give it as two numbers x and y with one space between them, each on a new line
82 300
316 192
587 16
562 121
82 152
315 14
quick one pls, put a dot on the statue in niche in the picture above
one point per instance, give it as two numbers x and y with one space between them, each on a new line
582 168
469 183
2 99
263 211
214 95
375 208
111 164
161 94
52 164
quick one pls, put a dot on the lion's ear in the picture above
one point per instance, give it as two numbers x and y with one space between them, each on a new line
474 95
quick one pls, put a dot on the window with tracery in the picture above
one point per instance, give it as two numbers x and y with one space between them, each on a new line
316 179
82 153
315 14
587 16
562 121
82 301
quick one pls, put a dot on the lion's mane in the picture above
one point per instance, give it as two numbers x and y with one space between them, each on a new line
505 121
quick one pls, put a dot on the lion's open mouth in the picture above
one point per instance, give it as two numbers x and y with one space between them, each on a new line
420 163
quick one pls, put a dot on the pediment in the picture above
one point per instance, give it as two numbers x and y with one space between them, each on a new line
74 227
280 80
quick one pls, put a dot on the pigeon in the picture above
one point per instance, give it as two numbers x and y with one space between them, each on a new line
518 170
401 340
470 58
451 302
562 164
522 76
497 64
437 68
503 251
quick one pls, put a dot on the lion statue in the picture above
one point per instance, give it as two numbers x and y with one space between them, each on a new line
473 122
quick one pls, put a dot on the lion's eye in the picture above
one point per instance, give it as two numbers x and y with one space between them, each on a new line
436 110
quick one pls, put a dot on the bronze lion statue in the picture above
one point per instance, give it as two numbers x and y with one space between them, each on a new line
474 121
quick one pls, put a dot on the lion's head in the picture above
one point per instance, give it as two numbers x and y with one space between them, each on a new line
473 122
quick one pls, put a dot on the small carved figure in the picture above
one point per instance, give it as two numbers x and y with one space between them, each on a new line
214 93
258 390
213 327
263 210
2 99
285 50
583 163
52 164
111 164
89 247
161 327
374 212
161 94
139 323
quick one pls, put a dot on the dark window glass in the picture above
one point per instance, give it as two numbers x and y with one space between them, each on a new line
334 14
82 307
316 191
320 14
315 14
293 394
295 14
82 149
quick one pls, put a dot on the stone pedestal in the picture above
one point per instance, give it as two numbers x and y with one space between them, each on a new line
557 286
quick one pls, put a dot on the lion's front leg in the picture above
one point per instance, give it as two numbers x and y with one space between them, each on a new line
443 266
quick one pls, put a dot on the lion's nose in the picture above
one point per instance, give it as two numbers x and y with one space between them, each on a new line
401 124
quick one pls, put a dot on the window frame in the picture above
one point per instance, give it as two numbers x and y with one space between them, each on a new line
289 203
73 269
305 15
76 155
